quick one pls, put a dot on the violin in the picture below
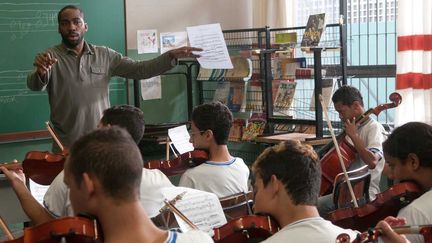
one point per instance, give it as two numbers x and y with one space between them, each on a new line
67 229
244 228
180 164
43 167
372 235
387 203
330 166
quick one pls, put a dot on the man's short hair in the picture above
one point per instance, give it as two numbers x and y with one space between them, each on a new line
216 117
69 7
128 117
412 137
112 156
347 95
296 165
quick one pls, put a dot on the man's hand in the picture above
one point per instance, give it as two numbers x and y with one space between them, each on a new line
184 51
44 62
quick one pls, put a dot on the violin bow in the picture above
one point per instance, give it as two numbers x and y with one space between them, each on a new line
53 135
338 151
5 229
176 211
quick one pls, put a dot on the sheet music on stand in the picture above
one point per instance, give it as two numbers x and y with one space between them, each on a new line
180 139
200 207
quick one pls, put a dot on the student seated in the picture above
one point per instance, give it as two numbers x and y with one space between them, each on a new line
287 183
366 138
103 172
56 200
408 153
222 174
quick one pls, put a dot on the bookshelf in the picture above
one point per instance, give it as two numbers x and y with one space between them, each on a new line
266 91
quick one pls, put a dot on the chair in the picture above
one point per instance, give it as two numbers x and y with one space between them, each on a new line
237 205
359 179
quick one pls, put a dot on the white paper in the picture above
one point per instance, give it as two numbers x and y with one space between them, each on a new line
180 139
38 191
203 209
172 40
147 41
151 88
210 38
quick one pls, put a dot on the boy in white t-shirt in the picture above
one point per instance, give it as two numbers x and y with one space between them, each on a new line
287 183
222 174
103 173
56 200
367 139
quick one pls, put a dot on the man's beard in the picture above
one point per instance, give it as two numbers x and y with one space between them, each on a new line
71 44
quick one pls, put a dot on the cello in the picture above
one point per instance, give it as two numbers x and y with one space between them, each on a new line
242 229
387 203
330 166
43 167
372 235
67 229
180 164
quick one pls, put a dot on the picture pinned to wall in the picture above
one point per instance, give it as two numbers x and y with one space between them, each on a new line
172 40
147 41
151 88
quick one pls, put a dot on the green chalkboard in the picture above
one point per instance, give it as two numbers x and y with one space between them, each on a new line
28 27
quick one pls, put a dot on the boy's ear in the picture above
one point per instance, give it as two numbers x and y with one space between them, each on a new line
88 183
413 161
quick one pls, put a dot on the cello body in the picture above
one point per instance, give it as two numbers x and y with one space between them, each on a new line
387 203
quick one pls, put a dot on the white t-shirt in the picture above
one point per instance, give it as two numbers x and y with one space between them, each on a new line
57 200
188 237
419 212
372 134
221 178
309 230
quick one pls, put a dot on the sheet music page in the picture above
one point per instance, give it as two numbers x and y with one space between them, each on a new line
202 208
210 38
38 191
180 139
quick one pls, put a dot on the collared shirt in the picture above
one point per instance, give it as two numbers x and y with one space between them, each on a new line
77 86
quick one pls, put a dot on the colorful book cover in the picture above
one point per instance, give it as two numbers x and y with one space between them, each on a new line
314 29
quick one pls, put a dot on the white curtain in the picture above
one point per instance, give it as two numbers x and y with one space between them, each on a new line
270 13
414 61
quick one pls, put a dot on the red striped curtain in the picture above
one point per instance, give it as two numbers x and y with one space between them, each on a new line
414 61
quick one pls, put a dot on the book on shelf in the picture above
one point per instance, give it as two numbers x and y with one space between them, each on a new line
328 88
254 96
308 73
255 126
290 65
284 97
236 131
313 31
289 38
242 69
236 97
222 91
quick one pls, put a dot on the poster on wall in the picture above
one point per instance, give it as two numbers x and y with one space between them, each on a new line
147 41
172 40
151 88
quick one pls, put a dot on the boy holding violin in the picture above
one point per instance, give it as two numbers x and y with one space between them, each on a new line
222 174
408 154
103 172
366 138
287 184
56 200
